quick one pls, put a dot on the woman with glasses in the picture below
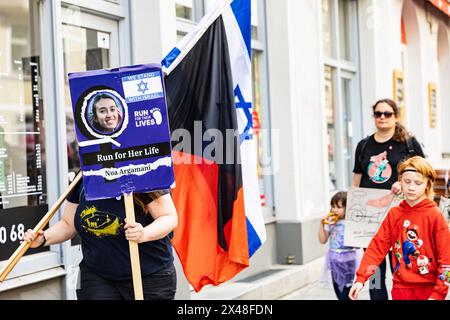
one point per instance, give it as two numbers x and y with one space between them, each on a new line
376 160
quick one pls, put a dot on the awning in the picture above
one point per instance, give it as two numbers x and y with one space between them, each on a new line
443 5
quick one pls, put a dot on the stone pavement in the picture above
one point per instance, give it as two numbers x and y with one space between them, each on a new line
324 291
271 284
283 282
317 291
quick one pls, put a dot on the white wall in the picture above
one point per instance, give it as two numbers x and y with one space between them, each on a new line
379 53
153 30
423 68
297 108
368 23
426 72
444 87
380 34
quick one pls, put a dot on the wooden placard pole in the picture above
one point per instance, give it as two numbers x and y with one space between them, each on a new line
134 250
20 251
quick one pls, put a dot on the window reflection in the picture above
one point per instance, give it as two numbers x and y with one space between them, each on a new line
81 52
326 28
331 128
339 23
256 121
184 9
344 34
347 127
22 137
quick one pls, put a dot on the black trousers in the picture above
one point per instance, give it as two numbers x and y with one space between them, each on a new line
158 286
377 283
341 295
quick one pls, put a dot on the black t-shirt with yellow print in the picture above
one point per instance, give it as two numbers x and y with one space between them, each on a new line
100 223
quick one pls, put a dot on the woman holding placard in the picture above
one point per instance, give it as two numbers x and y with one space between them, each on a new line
105 271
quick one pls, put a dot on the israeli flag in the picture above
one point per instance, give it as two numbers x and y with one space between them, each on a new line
238 27
236 15
146 86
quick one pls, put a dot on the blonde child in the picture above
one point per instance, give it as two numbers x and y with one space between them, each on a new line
418 234
340 260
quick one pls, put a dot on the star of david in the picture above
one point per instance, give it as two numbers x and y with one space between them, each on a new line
142 86
246 107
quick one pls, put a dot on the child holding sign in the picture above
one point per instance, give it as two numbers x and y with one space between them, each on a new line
418 234
341 260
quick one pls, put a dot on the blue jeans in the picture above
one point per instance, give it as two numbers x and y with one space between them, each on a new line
157 286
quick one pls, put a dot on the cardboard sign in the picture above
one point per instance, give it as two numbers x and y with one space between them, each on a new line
122 129
366 209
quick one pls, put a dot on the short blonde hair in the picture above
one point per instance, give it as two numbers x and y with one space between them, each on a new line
422 167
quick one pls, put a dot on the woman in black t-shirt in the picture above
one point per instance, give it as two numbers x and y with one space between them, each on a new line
105 271
376 161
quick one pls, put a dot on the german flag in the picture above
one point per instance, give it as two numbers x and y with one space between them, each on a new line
215 237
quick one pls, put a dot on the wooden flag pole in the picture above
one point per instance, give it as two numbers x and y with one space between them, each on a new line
20 251
134 250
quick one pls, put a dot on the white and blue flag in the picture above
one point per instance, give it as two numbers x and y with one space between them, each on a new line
225 33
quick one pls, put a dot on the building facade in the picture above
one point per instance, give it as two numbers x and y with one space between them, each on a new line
318 66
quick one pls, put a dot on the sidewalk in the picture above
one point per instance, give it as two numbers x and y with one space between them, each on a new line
282 282
271 284
320 291
317 291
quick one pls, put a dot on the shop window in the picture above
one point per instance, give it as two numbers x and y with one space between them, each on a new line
81 52
344 32
326 28
443 87
342 93
184 10
89 45
188 13
261 114
331 127
261 132
23 198
347 126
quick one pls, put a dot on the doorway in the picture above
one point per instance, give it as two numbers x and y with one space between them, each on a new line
90 42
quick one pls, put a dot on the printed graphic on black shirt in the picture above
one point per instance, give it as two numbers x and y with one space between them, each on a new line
379 170
100 224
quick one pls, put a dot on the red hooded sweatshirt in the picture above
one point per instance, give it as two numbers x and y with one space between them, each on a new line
420 241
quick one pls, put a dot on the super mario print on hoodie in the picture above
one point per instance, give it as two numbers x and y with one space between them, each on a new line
420 241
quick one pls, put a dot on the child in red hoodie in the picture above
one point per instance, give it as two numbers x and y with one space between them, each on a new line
418 234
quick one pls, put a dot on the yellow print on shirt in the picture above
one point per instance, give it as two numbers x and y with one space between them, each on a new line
100 224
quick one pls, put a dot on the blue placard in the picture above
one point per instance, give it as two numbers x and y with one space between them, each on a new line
122 130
